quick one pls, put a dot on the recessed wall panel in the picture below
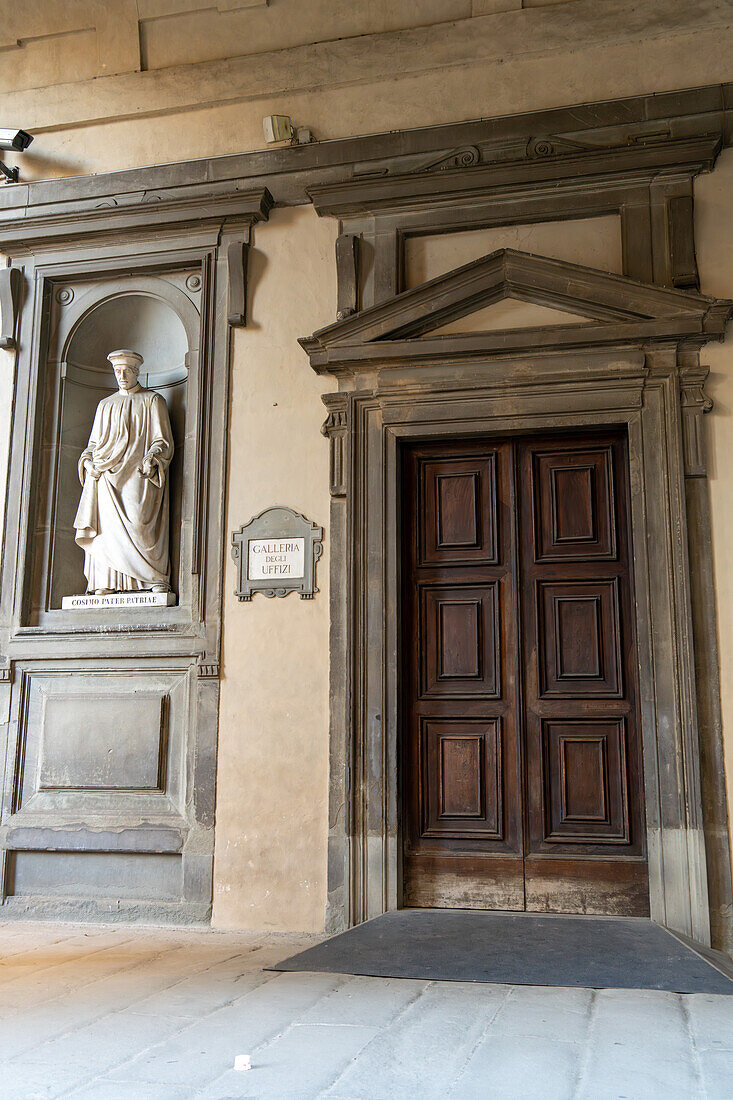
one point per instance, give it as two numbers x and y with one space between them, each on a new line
104 742
109 742
123 875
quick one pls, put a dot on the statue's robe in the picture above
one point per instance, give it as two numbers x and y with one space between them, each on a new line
122 519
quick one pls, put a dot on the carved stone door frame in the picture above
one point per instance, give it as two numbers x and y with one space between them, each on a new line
635 365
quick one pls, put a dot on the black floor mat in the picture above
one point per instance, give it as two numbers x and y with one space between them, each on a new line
520 949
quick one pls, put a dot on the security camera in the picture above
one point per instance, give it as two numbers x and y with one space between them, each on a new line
18 140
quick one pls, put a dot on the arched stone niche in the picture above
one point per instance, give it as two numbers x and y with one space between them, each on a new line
157 317
112 713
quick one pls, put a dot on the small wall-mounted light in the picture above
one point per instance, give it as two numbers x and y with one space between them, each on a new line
280 128
18 141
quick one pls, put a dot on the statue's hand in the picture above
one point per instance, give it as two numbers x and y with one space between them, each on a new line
91 470
148 468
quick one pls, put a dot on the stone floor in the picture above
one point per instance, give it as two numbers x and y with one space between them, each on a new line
150 1014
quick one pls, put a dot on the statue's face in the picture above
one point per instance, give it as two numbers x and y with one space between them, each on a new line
126 375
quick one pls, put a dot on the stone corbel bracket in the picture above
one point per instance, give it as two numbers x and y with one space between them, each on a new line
347 266
694 403
237 256
10 284
336 429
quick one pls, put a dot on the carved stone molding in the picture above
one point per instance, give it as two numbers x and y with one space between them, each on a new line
369 191
336 429
399 383
681 228
6 672
208 667
196 206
590 128
694 402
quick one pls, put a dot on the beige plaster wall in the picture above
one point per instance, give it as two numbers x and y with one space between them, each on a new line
271 819
595 242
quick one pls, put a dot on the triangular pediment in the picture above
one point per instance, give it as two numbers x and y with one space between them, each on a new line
581 306
508 313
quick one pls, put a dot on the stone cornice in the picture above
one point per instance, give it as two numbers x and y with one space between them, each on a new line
173 208
650 132
560 162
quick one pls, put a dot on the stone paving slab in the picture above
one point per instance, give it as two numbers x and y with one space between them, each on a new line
427 1047
109 1013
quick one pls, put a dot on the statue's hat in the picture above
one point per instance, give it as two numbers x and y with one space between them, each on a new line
125 355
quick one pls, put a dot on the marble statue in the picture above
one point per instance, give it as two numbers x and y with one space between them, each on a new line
122 519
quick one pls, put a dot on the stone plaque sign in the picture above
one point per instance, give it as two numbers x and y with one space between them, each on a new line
274 558
276 553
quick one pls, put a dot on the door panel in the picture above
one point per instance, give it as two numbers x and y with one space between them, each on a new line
458 513
581 741
462 834
579 639
574 504
462 761
585 781
521 781
460 625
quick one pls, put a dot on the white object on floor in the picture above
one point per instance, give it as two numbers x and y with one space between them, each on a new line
242 1062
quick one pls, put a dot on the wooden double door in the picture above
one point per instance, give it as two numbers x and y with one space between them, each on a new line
521 767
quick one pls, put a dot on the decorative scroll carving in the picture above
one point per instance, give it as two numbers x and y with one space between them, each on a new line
347 260
694 402
10 282
554 145
237 254
336 429
459 158
464 157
